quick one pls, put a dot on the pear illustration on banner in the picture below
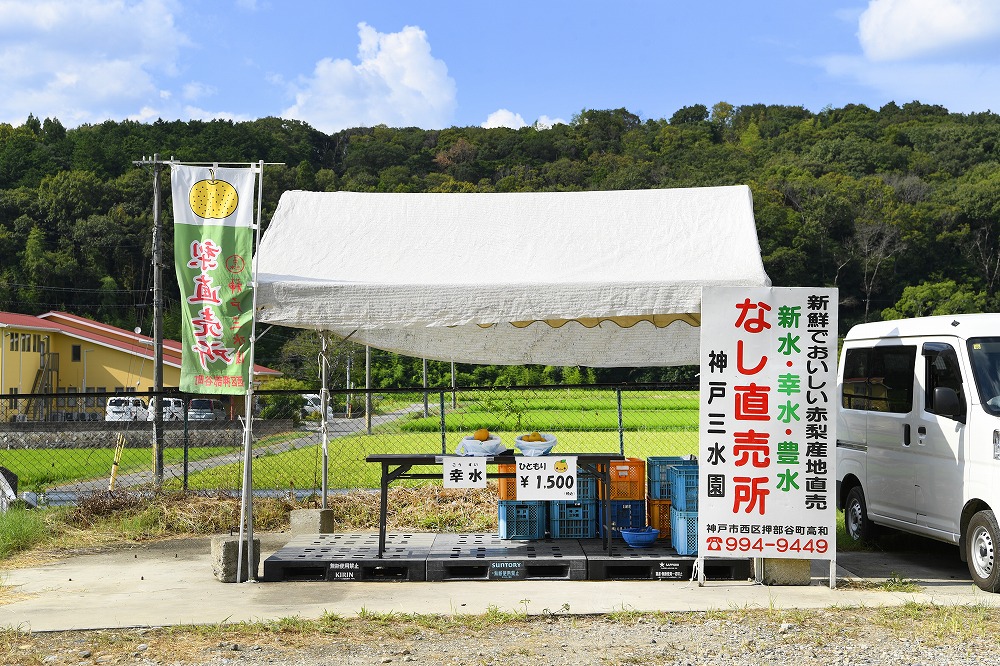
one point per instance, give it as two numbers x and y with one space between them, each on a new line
213 199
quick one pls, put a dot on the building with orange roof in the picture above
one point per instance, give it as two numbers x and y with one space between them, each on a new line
61 353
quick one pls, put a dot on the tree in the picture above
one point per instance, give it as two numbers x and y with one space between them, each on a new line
873 245
936 298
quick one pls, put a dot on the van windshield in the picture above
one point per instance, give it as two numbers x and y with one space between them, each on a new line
985 356
201 404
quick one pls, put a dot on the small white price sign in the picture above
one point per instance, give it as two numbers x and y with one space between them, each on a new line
464 472
546 478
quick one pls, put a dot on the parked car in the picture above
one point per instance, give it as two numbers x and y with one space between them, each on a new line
120 408
314 407
173 409
206 409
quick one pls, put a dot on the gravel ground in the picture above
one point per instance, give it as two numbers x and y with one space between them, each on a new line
906 635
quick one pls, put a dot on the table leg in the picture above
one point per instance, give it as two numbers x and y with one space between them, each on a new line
383 509
606 507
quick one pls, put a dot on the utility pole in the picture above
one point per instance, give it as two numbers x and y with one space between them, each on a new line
157 327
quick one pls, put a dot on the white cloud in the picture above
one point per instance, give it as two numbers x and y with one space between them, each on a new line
959 87
544 122
927 50
504 118
507 118
81 60
196 90
195 113
891 30
396 82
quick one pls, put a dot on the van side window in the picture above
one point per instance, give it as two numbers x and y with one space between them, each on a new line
984 354
941 369
879 379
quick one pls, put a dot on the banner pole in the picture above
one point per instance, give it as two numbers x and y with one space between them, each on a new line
246 512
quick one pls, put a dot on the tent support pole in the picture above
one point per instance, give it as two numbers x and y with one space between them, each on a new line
426 407
368 389
454 393
444 441
621 430
324 401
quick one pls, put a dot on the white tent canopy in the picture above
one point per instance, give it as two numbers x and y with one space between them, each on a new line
604 279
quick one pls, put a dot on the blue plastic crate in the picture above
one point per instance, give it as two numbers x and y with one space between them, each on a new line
586 487
573 520
684 531
657 479
684 487
625 513
522 520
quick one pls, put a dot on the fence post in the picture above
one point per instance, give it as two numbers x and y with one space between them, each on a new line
444 441
621 429
186 445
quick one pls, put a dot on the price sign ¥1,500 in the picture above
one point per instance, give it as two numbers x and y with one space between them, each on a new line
546 478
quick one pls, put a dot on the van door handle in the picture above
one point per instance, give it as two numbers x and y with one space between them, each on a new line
921 431
906 434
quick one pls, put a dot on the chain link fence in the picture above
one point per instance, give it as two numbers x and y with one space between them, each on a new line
59 447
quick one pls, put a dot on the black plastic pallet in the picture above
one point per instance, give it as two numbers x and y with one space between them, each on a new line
442 557
351 557
488 557
657 562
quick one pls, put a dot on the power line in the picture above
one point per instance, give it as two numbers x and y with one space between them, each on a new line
73 289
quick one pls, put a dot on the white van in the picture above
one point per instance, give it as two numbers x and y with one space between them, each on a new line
122 408
173 409
314 405
918 433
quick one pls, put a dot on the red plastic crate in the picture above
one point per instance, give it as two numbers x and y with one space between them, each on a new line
628 480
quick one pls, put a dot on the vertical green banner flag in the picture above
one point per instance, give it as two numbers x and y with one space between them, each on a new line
213 245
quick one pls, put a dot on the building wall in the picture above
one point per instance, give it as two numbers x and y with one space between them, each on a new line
106 369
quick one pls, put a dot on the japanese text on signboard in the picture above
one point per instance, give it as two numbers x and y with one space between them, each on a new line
767 434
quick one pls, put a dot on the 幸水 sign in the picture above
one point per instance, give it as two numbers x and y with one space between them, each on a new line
464 472
767 436
546 478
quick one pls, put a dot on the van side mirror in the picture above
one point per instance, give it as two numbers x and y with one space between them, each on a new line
946 402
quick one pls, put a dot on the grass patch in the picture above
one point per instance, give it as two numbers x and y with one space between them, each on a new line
38 469
914 627
20 530
105 520
561 420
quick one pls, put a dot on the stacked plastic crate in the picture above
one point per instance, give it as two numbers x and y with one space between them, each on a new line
627 492
519 520
576 519
558 519
684 508
658 489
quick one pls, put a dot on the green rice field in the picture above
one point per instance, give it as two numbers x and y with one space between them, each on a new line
660 423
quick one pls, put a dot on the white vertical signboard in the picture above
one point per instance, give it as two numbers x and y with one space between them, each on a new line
767 485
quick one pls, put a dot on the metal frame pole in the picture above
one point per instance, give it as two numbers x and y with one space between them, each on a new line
324 401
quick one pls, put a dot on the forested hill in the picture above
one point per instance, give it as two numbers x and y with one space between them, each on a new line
898 207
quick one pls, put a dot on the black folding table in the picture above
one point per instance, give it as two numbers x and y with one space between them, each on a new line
399 466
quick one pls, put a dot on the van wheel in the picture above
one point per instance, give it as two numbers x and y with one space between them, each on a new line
856 522
981 541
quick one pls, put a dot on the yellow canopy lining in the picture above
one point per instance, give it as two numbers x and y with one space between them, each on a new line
659 321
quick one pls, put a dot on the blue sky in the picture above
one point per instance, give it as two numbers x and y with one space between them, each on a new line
438 63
